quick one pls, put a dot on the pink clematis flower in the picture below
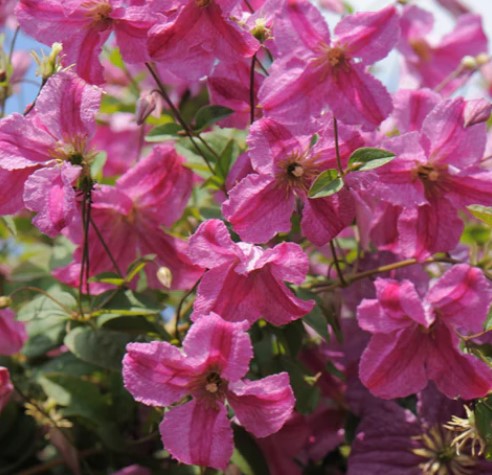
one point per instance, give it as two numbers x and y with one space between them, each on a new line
43 154
127 221
84 26
6 387
261 205
13 334
437 172
432 64
245 281
318 70
415 338
197 33
211 368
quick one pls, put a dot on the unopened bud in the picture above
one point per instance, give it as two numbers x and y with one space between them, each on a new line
165 276
5 301
146 104
469 62
476 111
482 58
49 65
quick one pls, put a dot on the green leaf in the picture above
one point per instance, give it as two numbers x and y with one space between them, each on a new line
164 132
42 306
483 419
326 184
208 115
80 397
138 265
315 318
44 334
9 223
314 140
483 213
367 158
104 348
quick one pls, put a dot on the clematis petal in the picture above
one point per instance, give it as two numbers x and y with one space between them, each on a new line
393 365
196 434
13 334
6 387
455 374
262 406
49 192
156 373
462 297
369 35
211 245
259 207
220 343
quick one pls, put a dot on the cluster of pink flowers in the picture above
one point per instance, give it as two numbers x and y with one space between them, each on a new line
253 232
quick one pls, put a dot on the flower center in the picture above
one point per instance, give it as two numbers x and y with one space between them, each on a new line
440 456
433 177
214 383
336 57
98 11
297 171
75 151
202 3
421 49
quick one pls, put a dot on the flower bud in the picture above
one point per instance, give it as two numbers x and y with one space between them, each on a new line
469 62
49 65
146 104
5 301
482 58
476 111
165 276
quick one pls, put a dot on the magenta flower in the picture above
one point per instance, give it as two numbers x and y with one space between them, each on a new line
199 32
13 334
436 173
211 368
261 205
246 282
415 339
129 218
84 26
431 64
320 71
6 387
45 152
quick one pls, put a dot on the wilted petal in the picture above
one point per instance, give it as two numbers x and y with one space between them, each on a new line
156 373
262 406
196 434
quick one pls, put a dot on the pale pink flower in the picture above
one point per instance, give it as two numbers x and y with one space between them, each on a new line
211 368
